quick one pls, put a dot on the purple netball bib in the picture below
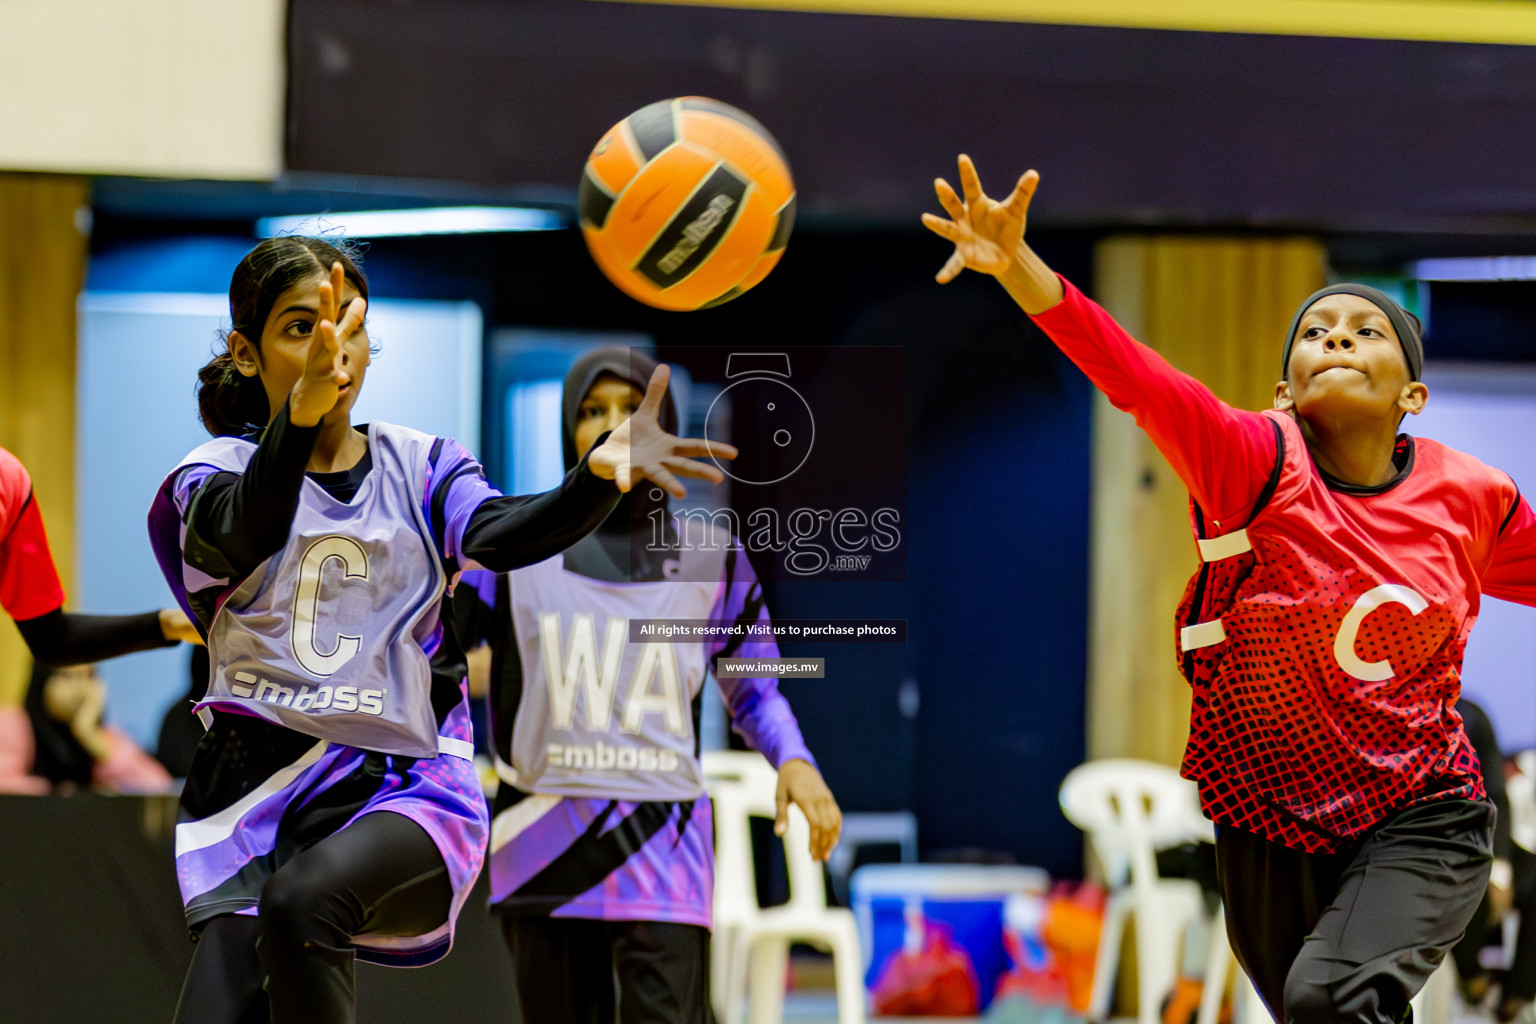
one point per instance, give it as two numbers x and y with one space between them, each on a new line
601 716
326 637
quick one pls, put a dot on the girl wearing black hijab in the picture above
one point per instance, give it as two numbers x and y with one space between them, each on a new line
601 860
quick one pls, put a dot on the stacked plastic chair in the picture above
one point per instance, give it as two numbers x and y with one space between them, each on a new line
750 951
1130 810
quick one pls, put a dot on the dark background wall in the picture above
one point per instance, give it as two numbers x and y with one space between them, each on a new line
1128 126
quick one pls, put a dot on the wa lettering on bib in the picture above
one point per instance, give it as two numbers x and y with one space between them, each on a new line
601 716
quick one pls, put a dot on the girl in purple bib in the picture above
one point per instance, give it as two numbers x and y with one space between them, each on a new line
314 557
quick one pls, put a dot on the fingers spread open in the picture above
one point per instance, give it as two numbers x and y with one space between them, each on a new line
338 282
951 268
970 184
697 446
1017 203
698 470
948 199
324 311
330 294
353 319
323 348
946 229
655 390
662 477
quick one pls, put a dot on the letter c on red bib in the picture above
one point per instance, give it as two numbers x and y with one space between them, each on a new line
1344 641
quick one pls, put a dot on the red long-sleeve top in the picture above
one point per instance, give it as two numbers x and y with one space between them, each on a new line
1323 634
29 583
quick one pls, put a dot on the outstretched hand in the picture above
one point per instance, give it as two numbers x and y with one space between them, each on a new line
987 233
174 625
640 450
317 391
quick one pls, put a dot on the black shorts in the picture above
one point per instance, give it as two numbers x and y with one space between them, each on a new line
577 971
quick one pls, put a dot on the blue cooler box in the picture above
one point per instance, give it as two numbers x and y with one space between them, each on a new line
967 898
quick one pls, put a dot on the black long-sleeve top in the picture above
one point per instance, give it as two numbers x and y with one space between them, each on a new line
238 520
62 638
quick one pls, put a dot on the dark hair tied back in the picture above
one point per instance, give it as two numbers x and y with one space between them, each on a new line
230 403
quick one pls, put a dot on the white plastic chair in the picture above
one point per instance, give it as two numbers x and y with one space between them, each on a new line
1129 810
735 902
751 944
897 828
1221 964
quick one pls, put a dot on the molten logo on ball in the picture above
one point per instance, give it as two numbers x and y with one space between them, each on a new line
686 203
695 233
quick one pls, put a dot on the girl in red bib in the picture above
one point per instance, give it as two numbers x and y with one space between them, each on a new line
1342 565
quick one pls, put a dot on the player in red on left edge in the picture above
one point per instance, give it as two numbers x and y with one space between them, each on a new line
31 593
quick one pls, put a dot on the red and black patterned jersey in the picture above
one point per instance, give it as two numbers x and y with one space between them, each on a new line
1323 636
1324 640
29 582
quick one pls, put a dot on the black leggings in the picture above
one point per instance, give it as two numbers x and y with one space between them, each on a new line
294 960
1350 938
577 971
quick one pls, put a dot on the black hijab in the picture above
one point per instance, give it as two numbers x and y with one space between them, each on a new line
1403 322
616 551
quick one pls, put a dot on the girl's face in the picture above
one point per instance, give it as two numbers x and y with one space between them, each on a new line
609 402
285 341
1347 362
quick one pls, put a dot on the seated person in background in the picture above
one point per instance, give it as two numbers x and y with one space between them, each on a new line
181 729
1512 883
59 742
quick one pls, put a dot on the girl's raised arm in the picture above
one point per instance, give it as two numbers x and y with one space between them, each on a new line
484 528
1223 455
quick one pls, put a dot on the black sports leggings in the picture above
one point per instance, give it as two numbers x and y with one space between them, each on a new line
577 971
1350 938
294 961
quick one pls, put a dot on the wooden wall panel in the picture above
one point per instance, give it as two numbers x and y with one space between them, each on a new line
1216 308
42 269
